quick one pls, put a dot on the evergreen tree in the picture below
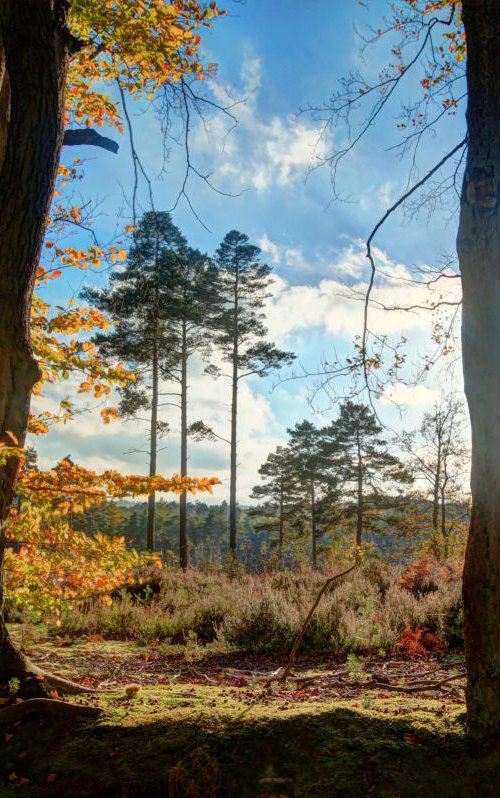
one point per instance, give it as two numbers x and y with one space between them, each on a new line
138 301
279 511
369 473
316 479
191 298
160 305
111 518
241 334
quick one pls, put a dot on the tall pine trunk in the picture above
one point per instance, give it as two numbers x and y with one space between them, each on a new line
314 530
34 56
153 441
360 509
478 246
183 555
233 463
234 429
281 526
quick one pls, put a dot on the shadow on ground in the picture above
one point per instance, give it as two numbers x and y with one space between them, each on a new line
202 743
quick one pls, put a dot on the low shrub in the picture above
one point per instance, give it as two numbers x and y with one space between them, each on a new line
417 642
369 610
263 622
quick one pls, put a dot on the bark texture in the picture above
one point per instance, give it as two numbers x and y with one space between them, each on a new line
153 435
183 518
34 54
360 509
479 255
314 528
233 520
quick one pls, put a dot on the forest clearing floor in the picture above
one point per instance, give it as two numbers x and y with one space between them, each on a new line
196 722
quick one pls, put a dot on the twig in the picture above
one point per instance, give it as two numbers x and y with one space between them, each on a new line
282 673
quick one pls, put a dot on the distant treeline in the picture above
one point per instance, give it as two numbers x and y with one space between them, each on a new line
208 530
208 533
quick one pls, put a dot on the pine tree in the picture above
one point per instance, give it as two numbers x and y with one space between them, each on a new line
279 511
316 479
139 302
366 468
242 291
188 308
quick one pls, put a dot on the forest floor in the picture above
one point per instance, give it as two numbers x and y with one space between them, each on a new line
194 722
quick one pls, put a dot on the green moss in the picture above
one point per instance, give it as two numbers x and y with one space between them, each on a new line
208 741
243 743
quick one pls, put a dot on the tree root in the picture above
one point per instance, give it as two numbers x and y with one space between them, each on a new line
33 706
58 683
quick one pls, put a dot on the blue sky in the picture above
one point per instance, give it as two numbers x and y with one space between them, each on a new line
276 58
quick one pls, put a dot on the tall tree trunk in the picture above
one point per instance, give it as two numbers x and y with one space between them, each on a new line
34 55
280 540
153 444
4 104
360 510
234 429
183 555
314 529
478 246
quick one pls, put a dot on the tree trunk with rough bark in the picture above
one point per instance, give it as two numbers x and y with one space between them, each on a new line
314 530
153 439
360 510
478 246
234 430
34 54
183 519
281 525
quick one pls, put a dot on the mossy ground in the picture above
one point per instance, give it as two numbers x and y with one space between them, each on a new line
206 741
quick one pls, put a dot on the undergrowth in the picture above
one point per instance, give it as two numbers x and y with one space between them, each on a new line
377 608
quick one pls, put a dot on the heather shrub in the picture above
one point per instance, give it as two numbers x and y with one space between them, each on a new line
262 622
378 573
358 606
367 611
208 620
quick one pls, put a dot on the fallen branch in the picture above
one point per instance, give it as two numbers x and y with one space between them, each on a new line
414 688
282 674
328 678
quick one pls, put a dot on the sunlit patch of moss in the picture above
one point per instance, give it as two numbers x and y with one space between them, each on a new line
249 741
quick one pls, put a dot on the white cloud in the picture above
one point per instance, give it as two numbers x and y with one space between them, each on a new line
411 395
301 317
263 150
337 303
348 264
123 444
